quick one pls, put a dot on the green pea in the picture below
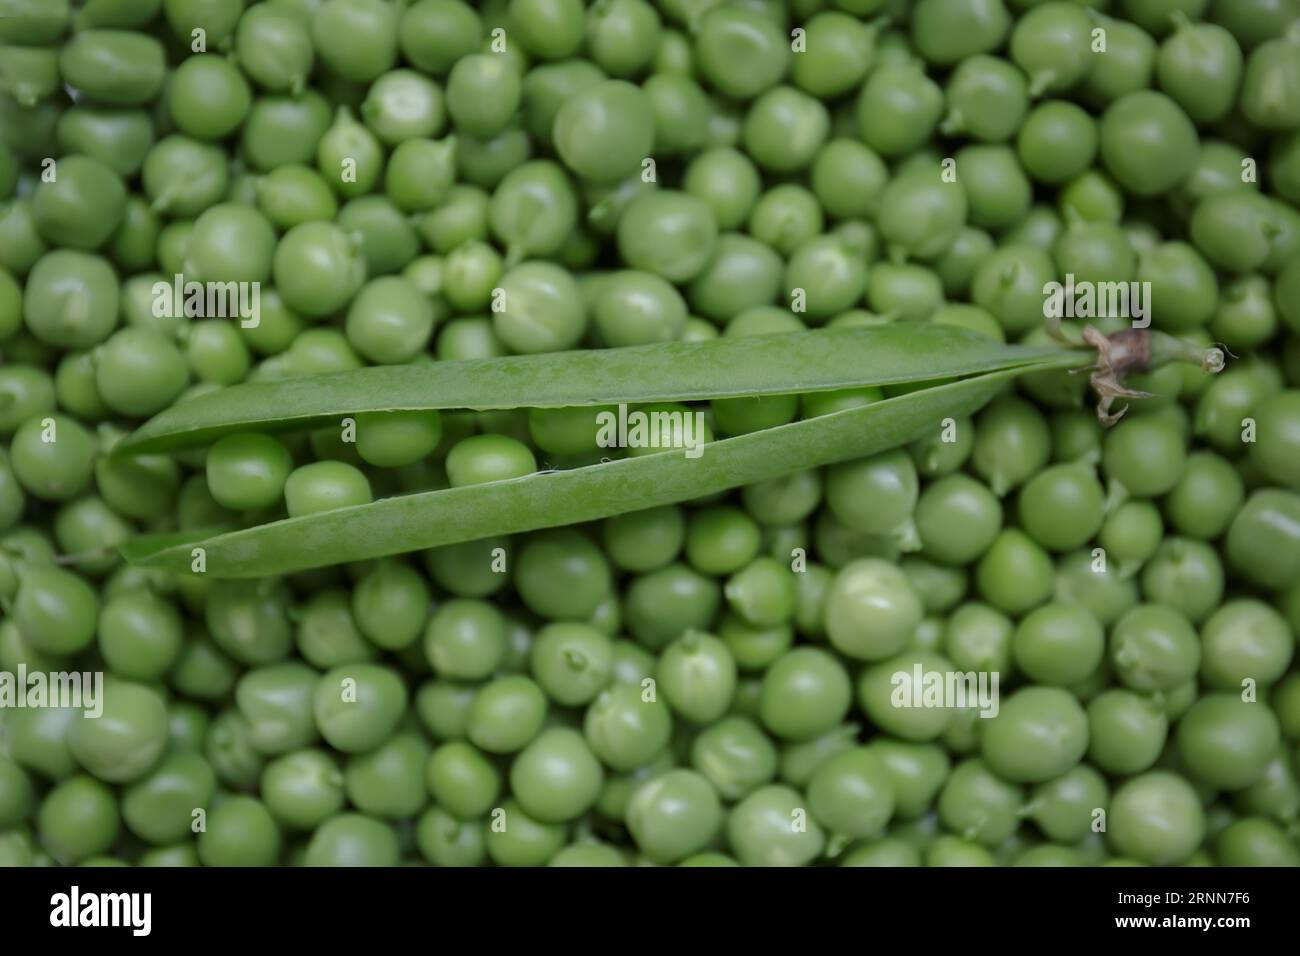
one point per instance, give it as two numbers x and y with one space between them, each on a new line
161 807
770 828
506 714
114 67
626 726
1058 644
739 51
697 675
556 777
1127 732
126 740
605 132
1156 818
1154 648
139 635
387 782
638 308
240 832
78 819
1038 734
207 97
1015 574
898 109
462 780
674 815
978 805
317 268
357 706
1227 742
804 693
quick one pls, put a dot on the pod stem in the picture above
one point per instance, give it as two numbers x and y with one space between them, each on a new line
1136 350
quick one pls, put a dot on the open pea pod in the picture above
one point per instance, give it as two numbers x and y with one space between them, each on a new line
549 499
671 371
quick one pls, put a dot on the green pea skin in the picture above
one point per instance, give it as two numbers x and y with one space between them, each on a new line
302 789
740 52
114 67
1200 66
1269 80
557 776
1058 644
1263 540
977 637
1154 648
387 782
160 808
1227 742
275 49
1038 734
1156 818
957 519
761 829
208 97
78 819
522 840
561 575
804 693
871 610
1012 444
642 541
506 714
434 34
1255 842
898 108
674 816
465 639
462 780
852 794
1015 574
317 268
357 39
445 841
352 839
125 742
1186 575
1062 507
839 50
978 805
357 706
140 635
603 133
1127 732
735 755
920 213
697 675
1052 44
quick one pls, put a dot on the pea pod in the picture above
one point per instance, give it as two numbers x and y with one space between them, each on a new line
430 519
675 371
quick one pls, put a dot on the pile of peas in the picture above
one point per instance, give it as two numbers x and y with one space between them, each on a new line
710 683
